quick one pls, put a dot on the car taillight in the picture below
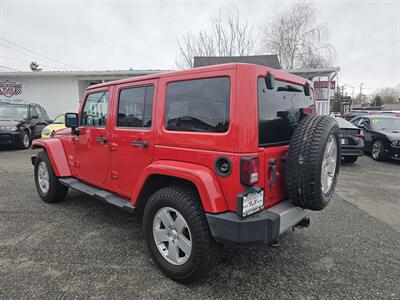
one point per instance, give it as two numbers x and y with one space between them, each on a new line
249 170
361 134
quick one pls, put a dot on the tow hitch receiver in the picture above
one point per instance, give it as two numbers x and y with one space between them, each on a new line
303 223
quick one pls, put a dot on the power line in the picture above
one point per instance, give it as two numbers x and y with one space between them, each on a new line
10 69
27 61
38 54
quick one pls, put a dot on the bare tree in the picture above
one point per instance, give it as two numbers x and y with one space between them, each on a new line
298 40
228 36
389 94
34 66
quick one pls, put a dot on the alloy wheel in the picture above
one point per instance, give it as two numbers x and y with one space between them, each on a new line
329 164
172 235
43 177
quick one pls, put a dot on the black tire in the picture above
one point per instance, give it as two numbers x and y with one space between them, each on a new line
305 162
56 191
350 159
205 251
24 135
380 155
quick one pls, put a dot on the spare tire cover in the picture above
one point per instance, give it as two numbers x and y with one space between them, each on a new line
313 162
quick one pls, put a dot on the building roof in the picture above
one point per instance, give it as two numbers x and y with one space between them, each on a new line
262 60
81 73
311 73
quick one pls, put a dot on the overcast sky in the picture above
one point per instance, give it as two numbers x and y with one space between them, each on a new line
109 35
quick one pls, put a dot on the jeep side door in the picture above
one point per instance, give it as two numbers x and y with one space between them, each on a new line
91 148
132 139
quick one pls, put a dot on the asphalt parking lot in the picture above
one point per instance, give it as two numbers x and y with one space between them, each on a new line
83 248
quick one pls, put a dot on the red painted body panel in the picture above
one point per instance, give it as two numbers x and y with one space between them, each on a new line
56 154
128 161
117 166
203 178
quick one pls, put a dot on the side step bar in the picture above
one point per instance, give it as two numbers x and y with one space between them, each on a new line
102 195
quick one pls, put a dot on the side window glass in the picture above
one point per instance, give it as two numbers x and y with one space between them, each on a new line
43 112
95 111
40 112
135 107
33 112
199 105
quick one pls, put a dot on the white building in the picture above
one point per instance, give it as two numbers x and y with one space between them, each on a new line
57 92
60 92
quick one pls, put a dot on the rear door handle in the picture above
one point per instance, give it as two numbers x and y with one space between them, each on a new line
101 139
140 144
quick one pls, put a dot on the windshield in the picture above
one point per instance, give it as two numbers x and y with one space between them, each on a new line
59 120
13 111
386 124
280 110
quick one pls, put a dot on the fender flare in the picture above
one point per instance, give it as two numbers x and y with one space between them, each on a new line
55 152
203 178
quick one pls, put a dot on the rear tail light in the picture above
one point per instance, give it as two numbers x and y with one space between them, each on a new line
249 170
361 134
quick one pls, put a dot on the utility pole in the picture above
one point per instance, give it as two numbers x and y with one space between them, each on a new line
361 86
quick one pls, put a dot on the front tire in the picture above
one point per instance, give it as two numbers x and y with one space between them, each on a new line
24 140
378 151
49 188
177 234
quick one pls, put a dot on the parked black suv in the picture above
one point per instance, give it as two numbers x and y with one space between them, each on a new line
21 123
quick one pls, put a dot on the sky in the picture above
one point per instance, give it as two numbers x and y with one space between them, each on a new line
112 35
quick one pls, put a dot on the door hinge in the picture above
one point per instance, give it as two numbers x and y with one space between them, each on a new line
113 147
114 175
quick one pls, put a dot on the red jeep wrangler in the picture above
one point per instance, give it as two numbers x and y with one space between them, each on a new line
222 154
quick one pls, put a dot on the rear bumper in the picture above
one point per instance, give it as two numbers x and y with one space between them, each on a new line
263 227
352 151
354 146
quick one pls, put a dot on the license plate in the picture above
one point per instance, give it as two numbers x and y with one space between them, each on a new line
252 203
343 141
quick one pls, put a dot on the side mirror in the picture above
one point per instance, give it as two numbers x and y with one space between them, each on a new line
270 80
35 116
307 89
71 121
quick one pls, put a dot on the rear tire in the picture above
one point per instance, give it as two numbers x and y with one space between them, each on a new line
378 151
313 162
204 253
350 159
49 188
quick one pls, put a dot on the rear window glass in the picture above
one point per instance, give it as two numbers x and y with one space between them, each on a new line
280 110
200 105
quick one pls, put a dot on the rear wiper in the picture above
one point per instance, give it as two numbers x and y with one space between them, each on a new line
288 88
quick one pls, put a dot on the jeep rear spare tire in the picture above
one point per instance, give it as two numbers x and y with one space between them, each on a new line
313 162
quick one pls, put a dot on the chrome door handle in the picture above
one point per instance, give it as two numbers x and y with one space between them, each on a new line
140 144
101 139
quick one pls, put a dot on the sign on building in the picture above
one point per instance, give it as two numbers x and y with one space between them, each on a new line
11 91
321 90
